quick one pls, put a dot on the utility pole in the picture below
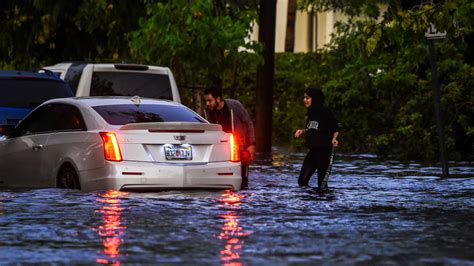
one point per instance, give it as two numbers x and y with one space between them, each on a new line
431 35
265 76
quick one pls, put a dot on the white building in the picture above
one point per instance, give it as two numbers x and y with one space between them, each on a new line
312 30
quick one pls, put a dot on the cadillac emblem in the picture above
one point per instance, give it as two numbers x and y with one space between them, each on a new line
181 138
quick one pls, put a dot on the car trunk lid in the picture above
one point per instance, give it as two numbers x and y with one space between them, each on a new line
174 142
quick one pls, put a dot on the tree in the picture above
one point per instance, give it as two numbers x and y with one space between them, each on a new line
37 33
200 41
265 76
290 26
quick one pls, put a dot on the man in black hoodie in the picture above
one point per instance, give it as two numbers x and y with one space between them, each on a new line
321 132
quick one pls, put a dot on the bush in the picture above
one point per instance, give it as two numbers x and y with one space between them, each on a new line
384 109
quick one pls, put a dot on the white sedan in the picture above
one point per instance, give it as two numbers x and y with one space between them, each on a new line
120 143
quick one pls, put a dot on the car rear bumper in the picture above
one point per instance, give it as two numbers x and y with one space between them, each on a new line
143 176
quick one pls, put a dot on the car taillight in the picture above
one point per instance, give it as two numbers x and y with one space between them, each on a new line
111 147
234 149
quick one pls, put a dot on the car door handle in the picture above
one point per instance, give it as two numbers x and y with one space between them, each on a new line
37 147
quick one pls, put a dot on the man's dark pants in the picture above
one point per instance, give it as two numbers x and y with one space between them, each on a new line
245 176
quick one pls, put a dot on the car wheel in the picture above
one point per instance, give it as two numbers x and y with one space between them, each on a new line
67 178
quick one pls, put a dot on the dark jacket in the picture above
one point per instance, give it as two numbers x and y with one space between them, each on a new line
320 128
243 125
321 123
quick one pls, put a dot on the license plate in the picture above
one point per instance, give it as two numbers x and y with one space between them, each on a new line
178 152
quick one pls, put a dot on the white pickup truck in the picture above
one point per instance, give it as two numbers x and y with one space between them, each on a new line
147 81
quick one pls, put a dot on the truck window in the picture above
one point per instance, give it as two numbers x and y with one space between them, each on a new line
131 84
73 75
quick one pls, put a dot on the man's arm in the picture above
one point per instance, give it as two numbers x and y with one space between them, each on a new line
245 118
250 128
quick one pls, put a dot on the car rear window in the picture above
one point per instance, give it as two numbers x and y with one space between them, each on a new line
129 113
29 93
156 86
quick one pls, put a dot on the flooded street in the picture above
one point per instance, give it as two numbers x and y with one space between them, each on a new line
377 212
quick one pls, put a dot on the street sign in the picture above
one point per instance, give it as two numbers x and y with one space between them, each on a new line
432 33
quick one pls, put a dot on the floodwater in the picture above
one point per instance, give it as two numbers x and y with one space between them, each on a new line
377 212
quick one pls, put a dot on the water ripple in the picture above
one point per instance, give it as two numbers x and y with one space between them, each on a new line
376 212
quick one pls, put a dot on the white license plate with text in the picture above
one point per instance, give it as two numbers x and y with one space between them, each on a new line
178 152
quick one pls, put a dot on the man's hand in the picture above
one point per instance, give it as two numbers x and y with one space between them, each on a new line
335 142
298 133
251 149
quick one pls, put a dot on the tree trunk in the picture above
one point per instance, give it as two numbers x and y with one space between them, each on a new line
265 76
234 79
198 102
290 27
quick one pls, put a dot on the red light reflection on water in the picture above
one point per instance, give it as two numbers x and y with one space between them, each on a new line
111 229
231 232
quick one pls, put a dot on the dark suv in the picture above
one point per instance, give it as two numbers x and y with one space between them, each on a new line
22 91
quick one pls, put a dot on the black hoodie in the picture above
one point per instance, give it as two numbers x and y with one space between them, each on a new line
321 123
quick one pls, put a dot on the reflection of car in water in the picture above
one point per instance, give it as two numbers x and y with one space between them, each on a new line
119 80
120 143
21 91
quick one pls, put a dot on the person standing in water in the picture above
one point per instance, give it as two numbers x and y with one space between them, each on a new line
322 130
233 117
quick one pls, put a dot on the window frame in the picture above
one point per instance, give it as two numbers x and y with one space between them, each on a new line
52 120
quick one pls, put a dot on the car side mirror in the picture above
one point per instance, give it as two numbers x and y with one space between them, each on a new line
7 130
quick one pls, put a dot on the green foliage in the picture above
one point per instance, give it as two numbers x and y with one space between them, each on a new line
377 79
385 107
375 73
198 39
349 7
37 33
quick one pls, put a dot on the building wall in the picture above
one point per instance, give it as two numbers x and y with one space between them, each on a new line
280 31
301 32
323 27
